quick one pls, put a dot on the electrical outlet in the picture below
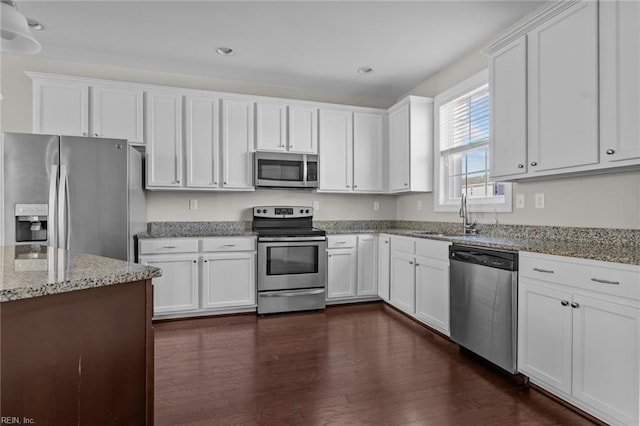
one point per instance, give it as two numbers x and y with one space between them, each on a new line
376 205
316 205
519 201
419 205
539 201
193 204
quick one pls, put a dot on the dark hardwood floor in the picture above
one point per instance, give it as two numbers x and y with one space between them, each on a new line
349 365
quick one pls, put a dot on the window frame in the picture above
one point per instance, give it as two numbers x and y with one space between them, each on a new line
440 189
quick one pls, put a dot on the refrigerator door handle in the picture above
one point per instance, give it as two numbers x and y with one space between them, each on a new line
53 179
62 204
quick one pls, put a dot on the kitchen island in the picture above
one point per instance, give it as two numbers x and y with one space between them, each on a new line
76 338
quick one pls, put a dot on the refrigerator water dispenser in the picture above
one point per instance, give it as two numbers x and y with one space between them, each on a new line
31 222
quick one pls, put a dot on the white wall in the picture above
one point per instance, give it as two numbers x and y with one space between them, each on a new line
608 201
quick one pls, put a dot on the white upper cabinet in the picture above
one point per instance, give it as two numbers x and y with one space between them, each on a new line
508 94
411 145
77 107
619 82
282 127
368 138
60 106
237 143
303 129
271 126
163 111
351 147
336 150
202 145
116 112
563 89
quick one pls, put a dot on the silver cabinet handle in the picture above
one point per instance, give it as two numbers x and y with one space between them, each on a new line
598 280
84 133
417 264
339 243
229 245
169 247
410 263
611 151
205 261
195 261
546 271
355 186
564 302
406 184
521 166
386 242
533 163
95 134
574 305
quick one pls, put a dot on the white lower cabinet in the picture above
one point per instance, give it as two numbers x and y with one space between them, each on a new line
420 280
177 289
579 333
201 276
228 280
351 267
384 259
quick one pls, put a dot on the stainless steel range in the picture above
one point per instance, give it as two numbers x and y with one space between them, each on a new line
291 259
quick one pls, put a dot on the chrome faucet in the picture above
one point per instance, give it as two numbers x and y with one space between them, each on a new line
468 228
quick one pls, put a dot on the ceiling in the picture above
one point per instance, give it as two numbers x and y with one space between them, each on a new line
314 45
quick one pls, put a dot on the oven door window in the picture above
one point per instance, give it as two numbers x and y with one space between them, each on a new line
292 260
280 170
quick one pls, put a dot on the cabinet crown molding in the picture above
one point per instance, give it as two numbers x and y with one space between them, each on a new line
522 27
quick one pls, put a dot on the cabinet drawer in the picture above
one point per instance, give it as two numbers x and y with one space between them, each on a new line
229 244
432 248
604 277
405 245
341 241
168 245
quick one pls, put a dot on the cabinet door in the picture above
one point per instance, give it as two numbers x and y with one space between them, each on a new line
271 126
508 92
303 129
164 139
60 107
384 253
619 82
367 270
116 112
432 293
403 273
228 280
606 357
336 150
544 334
202 142
368 137
399 171
341 273
563 89
237 144
177 289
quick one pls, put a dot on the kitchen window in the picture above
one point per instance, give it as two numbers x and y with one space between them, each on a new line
462 129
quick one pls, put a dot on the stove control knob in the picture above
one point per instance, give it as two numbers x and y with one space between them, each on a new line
307 211
301 211
259 211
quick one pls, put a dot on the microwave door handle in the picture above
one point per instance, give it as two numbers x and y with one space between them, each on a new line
304 169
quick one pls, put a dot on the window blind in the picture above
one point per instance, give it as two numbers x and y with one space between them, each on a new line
465 120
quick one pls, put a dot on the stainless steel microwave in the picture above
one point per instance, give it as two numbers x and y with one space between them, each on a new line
285 170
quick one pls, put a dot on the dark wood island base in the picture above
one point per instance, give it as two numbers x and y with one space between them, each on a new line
81 357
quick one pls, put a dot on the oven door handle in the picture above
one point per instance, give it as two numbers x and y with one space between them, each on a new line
288 239
292 293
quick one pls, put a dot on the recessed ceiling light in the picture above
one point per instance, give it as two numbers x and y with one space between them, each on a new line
225 51
365 70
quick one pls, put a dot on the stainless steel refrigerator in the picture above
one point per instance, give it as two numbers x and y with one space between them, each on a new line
78 193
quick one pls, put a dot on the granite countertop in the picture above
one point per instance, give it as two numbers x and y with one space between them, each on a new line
186 233
198 230
618 252
35 270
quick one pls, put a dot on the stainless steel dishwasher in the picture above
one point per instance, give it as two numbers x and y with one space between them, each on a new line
483 302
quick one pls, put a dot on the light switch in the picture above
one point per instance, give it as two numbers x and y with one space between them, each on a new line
193 204
539 201
519 201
